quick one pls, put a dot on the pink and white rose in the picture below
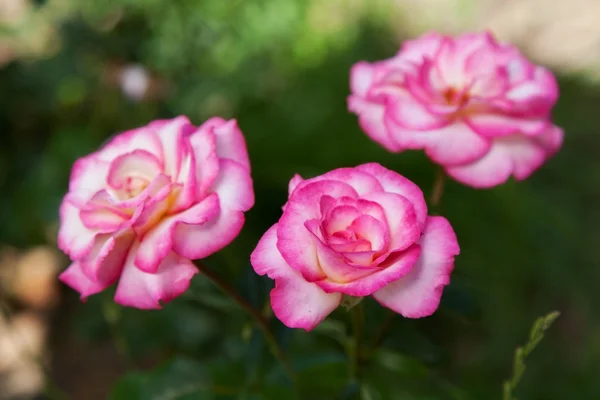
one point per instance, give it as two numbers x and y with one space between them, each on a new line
476 106
154 198
355 232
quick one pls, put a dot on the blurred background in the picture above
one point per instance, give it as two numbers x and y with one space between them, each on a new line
73 73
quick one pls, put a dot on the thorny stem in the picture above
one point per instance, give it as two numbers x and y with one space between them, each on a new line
254 313
51 389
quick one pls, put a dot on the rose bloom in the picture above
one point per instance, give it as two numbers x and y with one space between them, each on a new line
153 198
355 232
479 108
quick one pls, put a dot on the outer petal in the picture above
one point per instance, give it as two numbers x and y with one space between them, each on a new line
161 240
234 186
297 303
361 182
76 279
104 262
491 170
171 134
147 291
418 293
294 182
231 144
494 125
88 175
400 264
393 182
456 144
361 78
371 120
200 241
74 238
143 138
204 147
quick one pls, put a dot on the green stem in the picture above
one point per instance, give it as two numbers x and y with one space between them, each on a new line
383 328
355 353
261 322
438 188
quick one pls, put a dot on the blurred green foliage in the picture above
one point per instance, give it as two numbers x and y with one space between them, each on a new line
281 68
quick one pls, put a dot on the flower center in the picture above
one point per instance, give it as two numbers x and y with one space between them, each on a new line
134 185
453 96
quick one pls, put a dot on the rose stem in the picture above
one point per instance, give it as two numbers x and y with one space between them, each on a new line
438 189
259 319
355 347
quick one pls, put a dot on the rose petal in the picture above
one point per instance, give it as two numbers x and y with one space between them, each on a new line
297 303
104 262
456 144
400 264
76 279
171 134
150 291
200 241
234 186
404 229
293 239
162 239
371 121
494 125
204 145
361 78
393 182
74 238
137 164
231 144
294 182
418 293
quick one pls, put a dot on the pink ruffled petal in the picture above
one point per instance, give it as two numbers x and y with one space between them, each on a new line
425 46
294 182
410 113
297 303
393 182
490 170
456 144
361 78
138 164
516 155
231 144
294 240
172 135
196 241
104 262
373 230
152 290
340 218
404 229
88 175
186 183
495 125
400 264
143 138
161 240
204 147
371 120
234 186
74 238
76 279
418 293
